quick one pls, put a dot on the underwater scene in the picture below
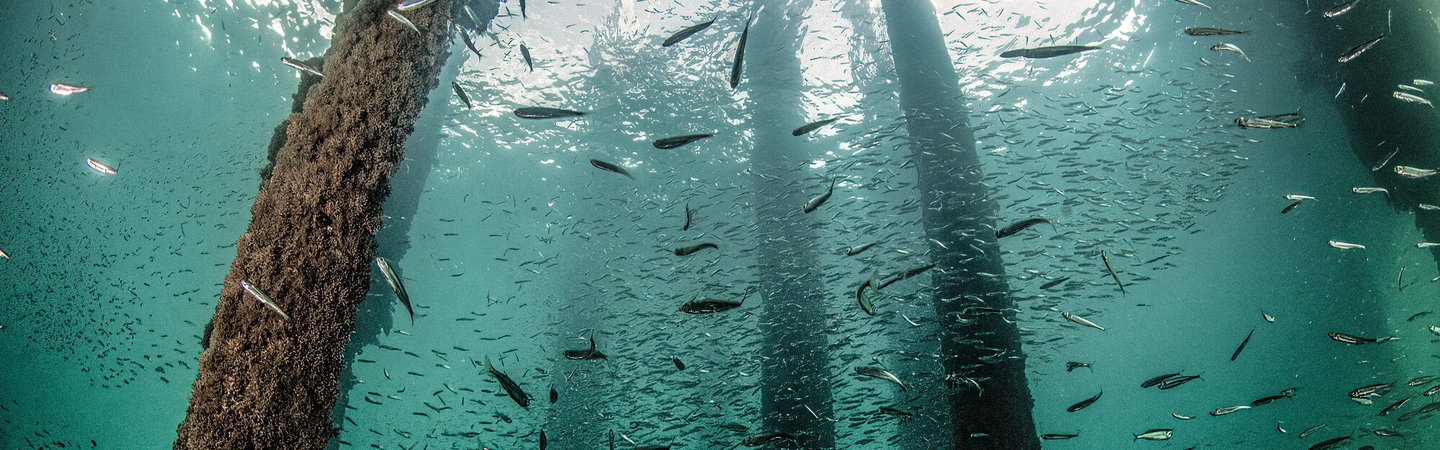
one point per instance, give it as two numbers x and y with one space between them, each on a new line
719 224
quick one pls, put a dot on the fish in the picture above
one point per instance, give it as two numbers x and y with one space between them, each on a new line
1290 207
1081 320
1406 87
1017 227
1420 82
865 304
4 97
678 141
1280 428
1373 390
1084 403
1411 98
301 66
691 249
1426 244
522 10
100 166
1428 207
1298 197
710 305
1157 434
1047 52
1174 382
1158 380
586 355
1242 345
608 167
465 36
766 438
740 56
403 21
686 33
543 441
1369 190
858 249
1358 50
395 285
1053 283
412 4
1228 47
812 126
67 88
554 395
525 52
1346 245
908 273
1385 161
260 295
1072 365
538 112
1330 443
1228 410
1310 431
1181 416
688 218
1106 259
679 365
1059 436
888 411
1208 31
461 93
1393 407
1270 122
815 203
1357 340
1433 330
1339 9
3 254
1432 391
509 385
1417 316
1267 317
876 372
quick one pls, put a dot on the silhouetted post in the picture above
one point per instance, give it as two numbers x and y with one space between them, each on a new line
977 346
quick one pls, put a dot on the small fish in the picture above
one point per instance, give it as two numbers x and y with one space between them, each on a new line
1432 391
608 167
1055 282
543 442
1227 47
1383 162
259 295
100 166
691 249
1208 31
461 93
1420 82
4 255
1426 244
537 112
1356 51
1048 52
678 364
1181 417
586 355
1280 428
1428 207
876 372
1267 317
301 66
740 56
1275 121
686 33
1357 340
858 249
395 285
522 10
1417 316
688 218
815 203
470 44
1157 434
1072 365
1406 87
1081 320
1290 207
1373 390
525 52
4 97
1242 345
1298 197
67 89
1369 190
908 273
1341 9
1174 382
1106 258
812 126
403 21
1017 227
1411 98
412 4
1228 410
1330 443
865 304
1345 245
1310 431
1433 330
1393 407
1084 403
511 387
888 411
1268 400
678 141
710 305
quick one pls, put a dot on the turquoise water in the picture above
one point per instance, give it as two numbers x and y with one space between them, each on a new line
513 247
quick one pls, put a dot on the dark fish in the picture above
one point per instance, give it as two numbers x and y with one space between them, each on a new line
1267 400
678 364
1374 389
1356 340
687 32
1393 407
815 203
1417 316
812 126
1106 258
461 93
1054 283
538 112
1047 52
688 250
738 428
511 388
1072 365
543 442
678 141
1242 345
525 51
1177 381
605 166
886 410
740 56
1017 227
465 36
903 275
1356 51
522 9
688 218
709 305
1084 403
1330 443
762 439
1288 208
554 395
1341 8
585 355
1208 31
1058 436
1158 380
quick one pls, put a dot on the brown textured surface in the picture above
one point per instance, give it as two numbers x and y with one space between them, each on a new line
265 383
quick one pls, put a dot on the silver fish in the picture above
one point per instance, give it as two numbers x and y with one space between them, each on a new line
1341 8
403 21
1369 190
1358 50
67 89
292 62
876 372
258 295
1346 245
407 5
1081 320
100 166
1411 98
1230 48
1158 434
395 285
815 203
1414 172
1228 409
